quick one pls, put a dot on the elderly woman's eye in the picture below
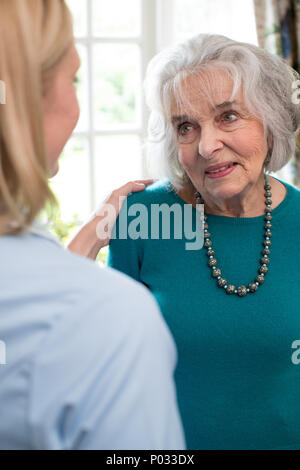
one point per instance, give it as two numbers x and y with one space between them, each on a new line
229 117
183 129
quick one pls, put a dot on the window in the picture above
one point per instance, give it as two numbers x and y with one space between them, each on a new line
231 18
179 19
114 43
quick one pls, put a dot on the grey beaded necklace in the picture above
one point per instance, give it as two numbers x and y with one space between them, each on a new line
241 291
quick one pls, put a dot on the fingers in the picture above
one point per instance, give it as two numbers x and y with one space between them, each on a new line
132 187
125 190
146 182
110 207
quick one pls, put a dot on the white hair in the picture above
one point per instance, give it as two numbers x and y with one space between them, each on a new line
267 85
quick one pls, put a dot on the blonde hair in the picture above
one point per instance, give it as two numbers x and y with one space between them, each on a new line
34 36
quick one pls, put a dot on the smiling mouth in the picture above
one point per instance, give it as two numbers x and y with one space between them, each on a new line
221 169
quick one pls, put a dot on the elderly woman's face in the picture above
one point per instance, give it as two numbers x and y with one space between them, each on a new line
227 135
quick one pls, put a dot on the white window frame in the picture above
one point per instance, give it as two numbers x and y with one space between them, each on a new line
147 42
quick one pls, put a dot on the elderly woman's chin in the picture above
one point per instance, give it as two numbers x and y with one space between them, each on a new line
225 189
229 184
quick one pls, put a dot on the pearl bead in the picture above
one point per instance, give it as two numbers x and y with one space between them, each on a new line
216 272
212 262
252 287
222 282
230 289
242 291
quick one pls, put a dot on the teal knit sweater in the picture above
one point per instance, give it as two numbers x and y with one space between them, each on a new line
238 371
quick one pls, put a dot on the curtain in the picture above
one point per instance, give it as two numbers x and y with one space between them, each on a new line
278 31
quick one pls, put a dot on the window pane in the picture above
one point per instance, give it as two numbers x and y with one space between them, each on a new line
79 11
82 90
116 17
71 184
118 159
116 85
232 18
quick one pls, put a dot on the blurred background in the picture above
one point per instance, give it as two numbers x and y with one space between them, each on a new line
116 40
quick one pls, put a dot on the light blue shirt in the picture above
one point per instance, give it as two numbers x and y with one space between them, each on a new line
89 358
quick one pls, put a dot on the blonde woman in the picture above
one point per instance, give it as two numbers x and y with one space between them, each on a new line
78 338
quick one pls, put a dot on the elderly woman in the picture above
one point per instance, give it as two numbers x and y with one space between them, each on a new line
222 119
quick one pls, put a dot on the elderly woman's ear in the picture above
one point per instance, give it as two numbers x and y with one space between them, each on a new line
268 157
270 143
297 118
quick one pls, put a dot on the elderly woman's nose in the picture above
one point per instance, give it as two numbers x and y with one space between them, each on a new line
210 141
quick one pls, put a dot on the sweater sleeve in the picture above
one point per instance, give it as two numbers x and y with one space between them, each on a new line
124 254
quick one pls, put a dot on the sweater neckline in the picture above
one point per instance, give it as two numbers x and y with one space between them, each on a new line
223 219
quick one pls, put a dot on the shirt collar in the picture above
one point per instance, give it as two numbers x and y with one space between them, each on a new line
38 229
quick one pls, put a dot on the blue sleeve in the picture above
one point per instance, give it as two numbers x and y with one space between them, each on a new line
103 377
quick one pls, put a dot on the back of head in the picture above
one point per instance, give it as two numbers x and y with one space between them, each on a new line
34 36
